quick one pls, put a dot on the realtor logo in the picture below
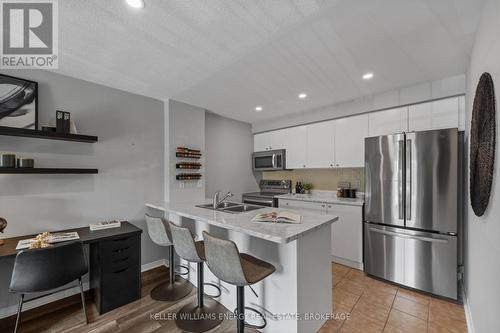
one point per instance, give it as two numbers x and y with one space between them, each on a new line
29 34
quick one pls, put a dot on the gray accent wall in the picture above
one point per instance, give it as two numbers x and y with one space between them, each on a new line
129 156
229 147
483 233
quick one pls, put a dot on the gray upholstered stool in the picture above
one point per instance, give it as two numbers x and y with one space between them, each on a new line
175 288
239 269
206 313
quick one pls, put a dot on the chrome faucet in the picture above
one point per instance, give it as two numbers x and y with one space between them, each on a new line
216 201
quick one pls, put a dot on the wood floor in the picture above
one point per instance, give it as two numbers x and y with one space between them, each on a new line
67 316
362 305
375 306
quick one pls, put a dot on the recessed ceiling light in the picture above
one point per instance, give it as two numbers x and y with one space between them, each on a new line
139 4
367 76
302 95
258 108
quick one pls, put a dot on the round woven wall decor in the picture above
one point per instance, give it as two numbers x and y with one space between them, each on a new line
482 144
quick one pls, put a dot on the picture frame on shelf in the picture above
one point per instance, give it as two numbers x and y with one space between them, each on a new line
18 102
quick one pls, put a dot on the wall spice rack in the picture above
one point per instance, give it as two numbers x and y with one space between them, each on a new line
183 152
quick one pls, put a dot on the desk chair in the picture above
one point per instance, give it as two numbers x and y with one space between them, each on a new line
42 270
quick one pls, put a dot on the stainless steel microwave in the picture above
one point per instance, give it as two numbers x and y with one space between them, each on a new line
269 160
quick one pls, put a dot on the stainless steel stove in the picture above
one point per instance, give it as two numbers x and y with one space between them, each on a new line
268 190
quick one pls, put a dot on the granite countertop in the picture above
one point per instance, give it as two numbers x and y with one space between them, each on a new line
323 197
275 232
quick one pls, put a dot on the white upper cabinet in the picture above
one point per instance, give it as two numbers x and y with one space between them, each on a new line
350 134
438 114
296 147
261 141
270 140
320 145
340 142
388 121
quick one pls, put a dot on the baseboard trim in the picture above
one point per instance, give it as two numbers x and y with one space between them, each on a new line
468 313
12 310
347 262
154 264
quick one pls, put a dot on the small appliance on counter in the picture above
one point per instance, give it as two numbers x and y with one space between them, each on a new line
7 160
268 190
346 191
25 163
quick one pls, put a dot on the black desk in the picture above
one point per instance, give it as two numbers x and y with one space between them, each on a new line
115 263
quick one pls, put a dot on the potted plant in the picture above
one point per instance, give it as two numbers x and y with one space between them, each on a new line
307 188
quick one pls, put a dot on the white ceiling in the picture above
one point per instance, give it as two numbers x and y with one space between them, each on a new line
230 55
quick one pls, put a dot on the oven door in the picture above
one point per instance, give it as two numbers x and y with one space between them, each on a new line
268 160
260 201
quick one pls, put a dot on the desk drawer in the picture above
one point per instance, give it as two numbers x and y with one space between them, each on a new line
120 253
120 287
118 279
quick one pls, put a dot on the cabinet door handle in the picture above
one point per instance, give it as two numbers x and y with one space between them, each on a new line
120 260
120 270
120 250
323 206
329 206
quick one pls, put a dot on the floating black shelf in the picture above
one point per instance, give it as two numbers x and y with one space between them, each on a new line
29 133
47 171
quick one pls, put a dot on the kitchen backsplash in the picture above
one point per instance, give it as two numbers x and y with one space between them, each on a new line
322 179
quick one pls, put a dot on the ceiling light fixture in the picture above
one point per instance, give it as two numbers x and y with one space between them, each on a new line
258 108
302 95
367 76
139 4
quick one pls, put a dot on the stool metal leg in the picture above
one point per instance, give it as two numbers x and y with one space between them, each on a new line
201 287
83 301
240 309
171 263
19 310
202 315
176 287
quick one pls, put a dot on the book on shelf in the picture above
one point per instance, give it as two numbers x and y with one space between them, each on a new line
105 225
278 217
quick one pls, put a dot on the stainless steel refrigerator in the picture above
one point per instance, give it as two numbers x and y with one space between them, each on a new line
411 215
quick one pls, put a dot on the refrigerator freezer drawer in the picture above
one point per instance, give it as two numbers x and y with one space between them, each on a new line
419 260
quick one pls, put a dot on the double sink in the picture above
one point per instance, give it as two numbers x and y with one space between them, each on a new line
231 207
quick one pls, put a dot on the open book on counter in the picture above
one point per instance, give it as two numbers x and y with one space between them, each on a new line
278 217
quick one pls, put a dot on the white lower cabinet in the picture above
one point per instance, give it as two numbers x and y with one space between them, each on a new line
347 232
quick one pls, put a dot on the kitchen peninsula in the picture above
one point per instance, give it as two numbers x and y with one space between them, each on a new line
300 253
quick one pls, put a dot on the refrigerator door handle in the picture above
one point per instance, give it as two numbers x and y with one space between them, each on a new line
409 178
421 238
401 149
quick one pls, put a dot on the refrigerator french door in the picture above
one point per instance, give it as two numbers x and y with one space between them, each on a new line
411 207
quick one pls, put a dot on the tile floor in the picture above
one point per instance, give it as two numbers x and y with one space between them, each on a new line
374 306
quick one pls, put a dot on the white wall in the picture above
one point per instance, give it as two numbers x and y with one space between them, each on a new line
483 233
450 86
229 147
129 156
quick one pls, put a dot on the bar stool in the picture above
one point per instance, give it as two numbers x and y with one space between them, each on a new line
206 313
175 288
239 269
